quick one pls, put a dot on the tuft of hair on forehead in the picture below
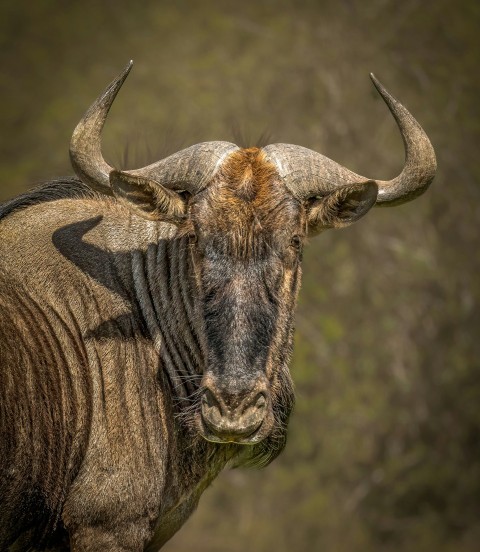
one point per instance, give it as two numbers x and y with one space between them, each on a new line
246 206
248 173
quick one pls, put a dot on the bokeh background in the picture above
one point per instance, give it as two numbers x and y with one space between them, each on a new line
384 444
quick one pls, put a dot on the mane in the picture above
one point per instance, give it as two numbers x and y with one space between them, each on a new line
62 188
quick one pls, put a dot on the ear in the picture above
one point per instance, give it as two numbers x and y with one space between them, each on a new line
148 198
341 207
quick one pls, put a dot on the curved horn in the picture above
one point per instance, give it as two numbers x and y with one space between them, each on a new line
189 169
307 173
85 145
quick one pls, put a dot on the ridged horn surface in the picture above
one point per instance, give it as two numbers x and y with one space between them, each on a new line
189 169
307 173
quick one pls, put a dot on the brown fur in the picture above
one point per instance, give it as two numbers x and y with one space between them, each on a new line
120 334
247 207
102 344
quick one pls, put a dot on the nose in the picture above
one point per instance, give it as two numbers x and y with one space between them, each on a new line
234 419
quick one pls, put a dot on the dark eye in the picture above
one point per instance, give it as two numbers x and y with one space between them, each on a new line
192 237
296 242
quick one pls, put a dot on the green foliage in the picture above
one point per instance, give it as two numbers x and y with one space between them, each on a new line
384 444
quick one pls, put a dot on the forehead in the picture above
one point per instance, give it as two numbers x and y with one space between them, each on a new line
247 193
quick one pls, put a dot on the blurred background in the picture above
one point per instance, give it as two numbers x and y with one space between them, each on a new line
384 444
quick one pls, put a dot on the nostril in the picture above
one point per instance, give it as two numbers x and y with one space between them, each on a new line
211 410
209 400
261 401
258 404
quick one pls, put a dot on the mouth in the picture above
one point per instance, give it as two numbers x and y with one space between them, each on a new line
253 438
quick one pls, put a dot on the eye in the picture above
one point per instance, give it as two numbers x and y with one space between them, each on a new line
192 237
296 242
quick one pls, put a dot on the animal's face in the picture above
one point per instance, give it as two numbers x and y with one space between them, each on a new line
246 233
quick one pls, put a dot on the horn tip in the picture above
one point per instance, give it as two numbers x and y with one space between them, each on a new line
381 89
127 68
375 81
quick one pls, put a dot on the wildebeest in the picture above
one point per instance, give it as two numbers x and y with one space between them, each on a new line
146 322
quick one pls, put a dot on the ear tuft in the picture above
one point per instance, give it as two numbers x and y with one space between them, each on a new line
341 207
147 198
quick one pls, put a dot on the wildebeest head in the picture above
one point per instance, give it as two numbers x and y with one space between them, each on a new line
246 213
